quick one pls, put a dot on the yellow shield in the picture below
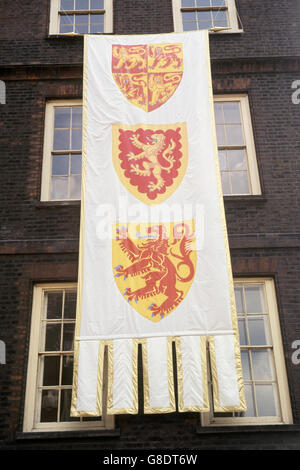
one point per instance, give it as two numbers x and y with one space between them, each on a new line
148 75
150 159
154 265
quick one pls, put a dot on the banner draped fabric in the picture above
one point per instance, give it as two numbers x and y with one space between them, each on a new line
154 263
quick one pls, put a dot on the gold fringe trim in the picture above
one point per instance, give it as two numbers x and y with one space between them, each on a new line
74 412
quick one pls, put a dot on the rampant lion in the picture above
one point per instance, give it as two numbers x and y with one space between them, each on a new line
151 259
151 165
129 58
166 56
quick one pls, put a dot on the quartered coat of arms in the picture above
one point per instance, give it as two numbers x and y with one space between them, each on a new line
150 159
154 265
147 75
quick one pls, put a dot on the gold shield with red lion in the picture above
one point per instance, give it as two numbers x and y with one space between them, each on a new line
154 265
148 75
150 159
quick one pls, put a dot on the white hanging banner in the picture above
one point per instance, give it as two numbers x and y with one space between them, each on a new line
154 258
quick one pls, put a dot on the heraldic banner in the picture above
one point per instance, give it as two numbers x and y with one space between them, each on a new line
155 279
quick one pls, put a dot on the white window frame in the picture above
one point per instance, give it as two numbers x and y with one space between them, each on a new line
254 180
54 18
48 144
31 423
232 17
207 419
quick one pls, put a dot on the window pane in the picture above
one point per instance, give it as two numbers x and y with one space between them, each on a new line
257 331
249 401
222 160
81 19
52 337
97 28
59 187
82 29
218 113
68 340
65 406
70 304
61 139
234 134
51 370
67 4
187 3
189 16
62 118
225 183
203 3
67 370
77 117
190 26
236 160
221 23
219 18
75 187
81 4
220 135
254 299
66 19
76 139
49 406
204 24
265 397
76 165
219 15
60 164
239 299
218 3
242 332
204 16
67 28
246 365
239 182
232 113
261 365
97 4
54 304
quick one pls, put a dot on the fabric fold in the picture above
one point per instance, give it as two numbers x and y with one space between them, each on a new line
192 373
226 371
158 376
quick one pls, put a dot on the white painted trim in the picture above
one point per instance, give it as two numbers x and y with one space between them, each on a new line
249 139
279 365
232 16
54 17
108 16
30 422
48 142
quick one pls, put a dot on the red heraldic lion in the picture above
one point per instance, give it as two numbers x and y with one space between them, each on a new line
150 160
154 266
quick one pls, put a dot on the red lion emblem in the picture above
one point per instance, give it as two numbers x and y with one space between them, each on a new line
163 265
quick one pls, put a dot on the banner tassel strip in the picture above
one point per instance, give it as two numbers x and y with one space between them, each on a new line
121 374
